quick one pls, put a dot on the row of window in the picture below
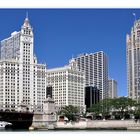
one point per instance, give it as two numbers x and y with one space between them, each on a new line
27 32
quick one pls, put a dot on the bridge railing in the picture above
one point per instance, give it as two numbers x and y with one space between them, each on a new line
21 108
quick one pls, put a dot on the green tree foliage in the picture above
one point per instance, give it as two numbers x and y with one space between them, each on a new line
103 106
70 112
137 111
120 106
123 105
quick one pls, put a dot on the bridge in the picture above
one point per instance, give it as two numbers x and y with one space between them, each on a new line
21 108
20 116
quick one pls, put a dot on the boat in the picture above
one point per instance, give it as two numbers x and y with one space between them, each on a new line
3 125
31 128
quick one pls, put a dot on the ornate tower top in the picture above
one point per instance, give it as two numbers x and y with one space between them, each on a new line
26 21
26 28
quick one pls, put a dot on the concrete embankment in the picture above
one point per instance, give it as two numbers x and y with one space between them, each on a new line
89 124
106 124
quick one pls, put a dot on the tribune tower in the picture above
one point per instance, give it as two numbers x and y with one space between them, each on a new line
133 61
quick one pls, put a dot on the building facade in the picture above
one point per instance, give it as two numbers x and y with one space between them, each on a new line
133 61
67 86
92 96
112 88
95 68
22 79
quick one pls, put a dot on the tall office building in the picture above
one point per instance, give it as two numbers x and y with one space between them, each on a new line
21 78
133 61
92 96
67 86
112 88
95 68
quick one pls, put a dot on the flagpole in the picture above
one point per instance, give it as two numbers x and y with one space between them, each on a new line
134 16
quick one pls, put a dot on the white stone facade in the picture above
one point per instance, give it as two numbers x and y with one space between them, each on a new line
21 78
67 86
49 110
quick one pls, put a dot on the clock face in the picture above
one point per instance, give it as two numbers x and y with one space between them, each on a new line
27 38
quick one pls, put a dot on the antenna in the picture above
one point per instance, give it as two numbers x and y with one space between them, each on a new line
134 16
72 56
27 15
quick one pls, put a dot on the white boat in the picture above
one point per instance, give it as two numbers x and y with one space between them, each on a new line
3 124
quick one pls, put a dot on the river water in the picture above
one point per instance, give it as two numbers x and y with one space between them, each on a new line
69 130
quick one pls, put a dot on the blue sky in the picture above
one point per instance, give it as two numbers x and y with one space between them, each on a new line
61 33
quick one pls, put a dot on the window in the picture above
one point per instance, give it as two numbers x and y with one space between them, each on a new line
138 33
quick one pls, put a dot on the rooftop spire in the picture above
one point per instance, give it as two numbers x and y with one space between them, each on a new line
26 15
72 56
134 14
26 21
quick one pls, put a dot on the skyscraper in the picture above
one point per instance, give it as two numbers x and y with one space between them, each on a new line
112 88
92 96
21 78
133 61
95 68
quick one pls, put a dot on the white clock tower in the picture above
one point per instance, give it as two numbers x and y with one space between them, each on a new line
25 79
26 63
27 39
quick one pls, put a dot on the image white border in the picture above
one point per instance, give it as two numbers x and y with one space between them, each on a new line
70 4
99 135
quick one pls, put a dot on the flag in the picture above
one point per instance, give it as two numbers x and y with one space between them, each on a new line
134 14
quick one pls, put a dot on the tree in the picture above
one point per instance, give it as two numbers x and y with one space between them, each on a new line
137 111
70 112
123 105
96 109
118 106
103 107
